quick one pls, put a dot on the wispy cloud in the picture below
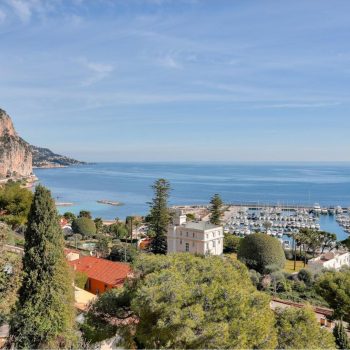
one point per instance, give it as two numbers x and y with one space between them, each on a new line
98 71
2 16
301 105
21 8
169 61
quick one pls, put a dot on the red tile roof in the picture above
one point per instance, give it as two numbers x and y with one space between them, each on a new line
106 271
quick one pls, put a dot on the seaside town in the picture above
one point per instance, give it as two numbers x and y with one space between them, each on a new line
167 279
174 174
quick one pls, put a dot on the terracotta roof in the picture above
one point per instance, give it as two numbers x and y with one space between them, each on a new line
108 272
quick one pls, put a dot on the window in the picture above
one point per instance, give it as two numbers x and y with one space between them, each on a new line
193 234
206 246
181 241
187 234
206 236
213 244
187 247
180 233
192 244
213 234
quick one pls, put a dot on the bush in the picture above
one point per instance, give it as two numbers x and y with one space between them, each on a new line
80 279
85 226
231 243
122 251
259 250
305 276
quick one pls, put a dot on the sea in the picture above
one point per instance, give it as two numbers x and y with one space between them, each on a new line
195 183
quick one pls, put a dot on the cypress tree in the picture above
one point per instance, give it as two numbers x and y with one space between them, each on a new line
44 316
159 216
215 209
341 338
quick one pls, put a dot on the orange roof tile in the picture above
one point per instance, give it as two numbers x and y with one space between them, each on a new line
106 271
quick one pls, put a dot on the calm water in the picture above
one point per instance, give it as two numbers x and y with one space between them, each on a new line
327 184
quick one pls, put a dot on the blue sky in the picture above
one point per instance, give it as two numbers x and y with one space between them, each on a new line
143 80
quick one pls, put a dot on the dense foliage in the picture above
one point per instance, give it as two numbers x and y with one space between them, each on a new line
334 287
10 275
44 315
84 226
185 301
123 252
159 217
260 250
299 329
15 203
80 279
341 338
231 243
215 209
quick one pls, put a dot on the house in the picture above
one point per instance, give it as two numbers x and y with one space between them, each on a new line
330 260
199 237
102 274
71 254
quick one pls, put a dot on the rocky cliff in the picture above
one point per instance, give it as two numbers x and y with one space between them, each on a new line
15 153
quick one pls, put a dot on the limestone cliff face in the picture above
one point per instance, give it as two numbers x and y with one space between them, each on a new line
15 153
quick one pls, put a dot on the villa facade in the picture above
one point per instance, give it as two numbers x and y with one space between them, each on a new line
194 237
330 260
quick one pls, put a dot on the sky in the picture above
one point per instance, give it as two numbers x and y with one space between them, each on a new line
179 80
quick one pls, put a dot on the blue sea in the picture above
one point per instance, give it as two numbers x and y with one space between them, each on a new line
130 183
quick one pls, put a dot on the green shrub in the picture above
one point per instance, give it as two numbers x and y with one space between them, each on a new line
259 250
85 226
80 279
305 276
231 243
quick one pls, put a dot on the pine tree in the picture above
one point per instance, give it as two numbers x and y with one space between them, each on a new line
341 338
44 316
159 216
215 209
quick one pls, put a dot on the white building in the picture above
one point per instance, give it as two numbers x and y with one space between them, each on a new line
195 237
330 260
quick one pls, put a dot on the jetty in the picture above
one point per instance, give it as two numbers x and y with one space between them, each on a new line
63 204
108 202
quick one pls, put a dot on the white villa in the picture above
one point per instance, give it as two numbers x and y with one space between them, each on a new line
330 260
195 237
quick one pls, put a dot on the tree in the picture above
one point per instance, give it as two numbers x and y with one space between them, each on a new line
70 217
159 216
85 226
85 214
10 275
80 279
341 337
15 204
267 225
334 287
123 252
260 250
215 209
186 301
119 230
44 314
99 224
299 329
329 241
102 246
231 243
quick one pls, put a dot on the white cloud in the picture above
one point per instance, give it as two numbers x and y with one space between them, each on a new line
169 62
98 71
2 16
22 9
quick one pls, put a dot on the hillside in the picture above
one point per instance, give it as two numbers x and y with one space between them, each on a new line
45 158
